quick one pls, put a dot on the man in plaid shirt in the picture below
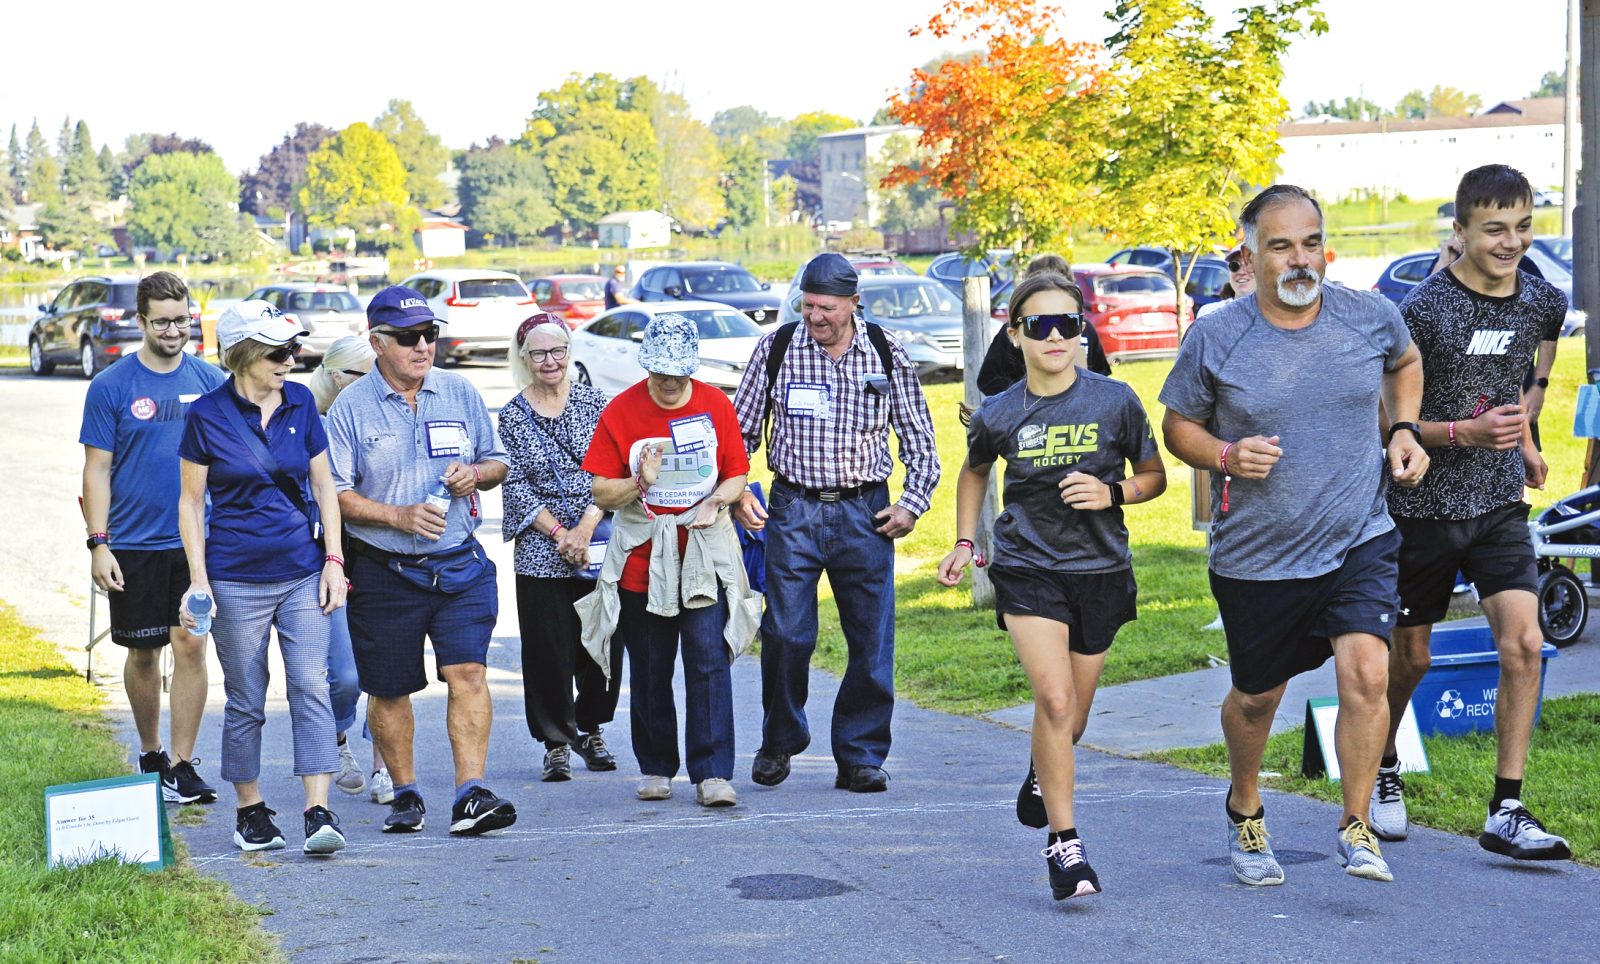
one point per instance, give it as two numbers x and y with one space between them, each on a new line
832 405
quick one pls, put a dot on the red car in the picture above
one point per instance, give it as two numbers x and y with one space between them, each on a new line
574 298
1133 309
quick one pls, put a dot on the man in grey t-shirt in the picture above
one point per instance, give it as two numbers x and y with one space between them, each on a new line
1278 394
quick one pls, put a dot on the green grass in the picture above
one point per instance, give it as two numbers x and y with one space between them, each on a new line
53 730
1562 786
952 657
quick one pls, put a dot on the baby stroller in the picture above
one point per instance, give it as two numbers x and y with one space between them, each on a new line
1568 529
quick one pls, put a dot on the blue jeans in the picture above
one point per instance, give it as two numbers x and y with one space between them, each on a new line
805 538
343 686
652 644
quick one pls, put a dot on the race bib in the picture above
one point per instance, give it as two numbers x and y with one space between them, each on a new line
447 439
693 433
808 400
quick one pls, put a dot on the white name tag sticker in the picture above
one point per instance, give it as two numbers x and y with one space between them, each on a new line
807 400
447 439
187 397
692 433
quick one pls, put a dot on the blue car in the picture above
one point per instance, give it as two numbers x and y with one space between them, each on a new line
1408 271
1206 280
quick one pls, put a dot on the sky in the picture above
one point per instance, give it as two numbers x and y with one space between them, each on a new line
239 76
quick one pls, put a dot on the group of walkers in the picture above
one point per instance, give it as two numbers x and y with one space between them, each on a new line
1359 456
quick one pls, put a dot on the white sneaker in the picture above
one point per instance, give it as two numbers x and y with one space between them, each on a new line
1388 806
715 792
1514 832
655 788
350 778
381 786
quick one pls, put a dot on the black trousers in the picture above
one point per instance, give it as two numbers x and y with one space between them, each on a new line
553 659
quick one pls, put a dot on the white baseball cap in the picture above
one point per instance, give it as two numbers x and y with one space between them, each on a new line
258 320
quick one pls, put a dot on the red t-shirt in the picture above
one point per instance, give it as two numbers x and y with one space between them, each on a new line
632 420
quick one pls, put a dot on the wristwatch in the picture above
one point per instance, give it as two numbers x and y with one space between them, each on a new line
1411 427
1541 383
96 539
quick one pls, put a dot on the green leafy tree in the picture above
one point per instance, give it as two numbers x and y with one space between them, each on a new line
1191 117
1439 102
81 175
505 192
356 180
66 221
422 152
768 133
16 166
598 145
110 173
912 203
806 128
42 182
689 186
1351 108
744 183
1552 84
184 202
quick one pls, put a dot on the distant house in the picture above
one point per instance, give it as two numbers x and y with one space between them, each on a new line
19 230
440 236
635 229
848 199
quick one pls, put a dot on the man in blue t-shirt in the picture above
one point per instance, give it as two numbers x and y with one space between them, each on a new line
132 422
617 289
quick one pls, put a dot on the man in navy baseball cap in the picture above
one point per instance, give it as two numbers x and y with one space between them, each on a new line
399 307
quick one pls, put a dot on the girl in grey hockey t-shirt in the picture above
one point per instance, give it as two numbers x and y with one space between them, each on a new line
1061 571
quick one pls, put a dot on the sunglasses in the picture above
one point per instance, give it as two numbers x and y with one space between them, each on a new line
280 355
1039 327
1235 263
409 337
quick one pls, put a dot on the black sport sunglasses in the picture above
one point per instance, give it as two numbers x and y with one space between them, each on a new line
1038 327
408 338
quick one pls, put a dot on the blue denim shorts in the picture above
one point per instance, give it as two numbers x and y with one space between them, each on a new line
390 616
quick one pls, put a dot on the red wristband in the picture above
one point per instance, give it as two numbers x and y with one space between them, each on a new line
330 557
557 530
1227 476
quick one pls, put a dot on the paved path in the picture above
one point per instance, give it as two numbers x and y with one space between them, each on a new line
935 869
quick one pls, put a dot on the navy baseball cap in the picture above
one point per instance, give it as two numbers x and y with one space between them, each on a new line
399 307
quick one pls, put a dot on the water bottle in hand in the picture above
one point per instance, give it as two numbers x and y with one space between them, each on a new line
439 496
200 607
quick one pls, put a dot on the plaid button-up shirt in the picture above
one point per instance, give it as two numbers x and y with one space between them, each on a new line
850 446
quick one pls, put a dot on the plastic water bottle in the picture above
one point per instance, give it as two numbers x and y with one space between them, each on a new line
200 607
439 496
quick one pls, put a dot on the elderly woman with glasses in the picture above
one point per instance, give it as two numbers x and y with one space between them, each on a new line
551 516
256 447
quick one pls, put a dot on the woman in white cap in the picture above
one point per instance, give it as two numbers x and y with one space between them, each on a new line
255 446
550 513
346 360
668 456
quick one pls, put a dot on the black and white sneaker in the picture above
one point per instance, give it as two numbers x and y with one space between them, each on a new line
596 756
1070 873
557 764
405 813
157 762
322 832
182 784
480 811
254 829
1030 802
1514 832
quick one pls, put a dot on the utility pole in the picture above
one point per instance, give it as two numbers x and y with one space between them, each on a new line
1586 219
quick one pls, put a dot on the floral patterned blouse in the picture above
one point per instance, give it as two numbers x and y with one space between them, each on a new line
546 473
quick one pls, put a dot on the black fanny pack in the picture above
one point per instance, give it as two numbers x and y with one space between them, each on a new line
451 571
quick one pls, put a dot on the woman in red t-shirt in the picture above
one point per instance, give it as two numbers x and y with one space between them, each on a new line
673 444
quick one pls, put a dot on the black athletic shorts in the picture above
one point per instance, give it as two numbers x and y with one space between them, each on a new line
153 584
1280 628
1093 605
1493 549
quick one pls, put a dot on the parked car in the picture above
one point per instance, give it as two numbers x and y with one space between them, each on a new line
1408 271
951 270
1133 309
92 323
574 298
605 350
327 312
717 281
922 314
866 265
481 310
1548 199
1557 247
1206 278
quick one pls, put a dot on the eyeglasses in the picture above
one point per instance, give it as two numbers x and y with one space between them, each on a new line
1039 327
538 355
410 336
163 324
1235 262
280 355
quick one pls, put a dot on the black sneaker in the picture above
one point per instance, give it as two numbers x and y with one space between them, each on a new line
557 764
1030 802
596 756
405 813
861 778
322 832
1070 873
769 769
156 761
183 785
480 812
254 829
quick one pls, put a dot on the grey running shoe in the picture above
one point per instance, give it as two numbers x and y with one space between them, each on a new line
381 787
1514 832
715 792
1358 853
322 832
350 779
1251 855
1388 808
654 788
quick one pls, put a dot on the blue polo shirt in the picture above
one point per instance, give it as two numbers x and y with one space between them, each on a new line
257 534
137 415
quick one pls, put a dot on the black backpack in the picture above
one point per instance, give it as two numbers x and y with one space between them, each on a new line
780 347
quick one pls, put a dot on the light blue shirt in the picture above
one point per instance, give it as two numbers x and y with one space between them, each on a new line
384 451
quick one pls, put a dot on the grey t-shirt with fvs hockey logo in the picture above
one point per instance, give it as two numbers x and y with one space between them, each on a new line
1475 350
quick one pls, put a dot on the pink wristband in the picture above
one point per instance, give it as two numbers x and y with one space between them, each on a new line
1452 430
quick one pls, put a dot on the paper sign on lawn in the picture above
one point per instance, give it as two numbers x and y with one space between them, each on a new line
121 817
1318 756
